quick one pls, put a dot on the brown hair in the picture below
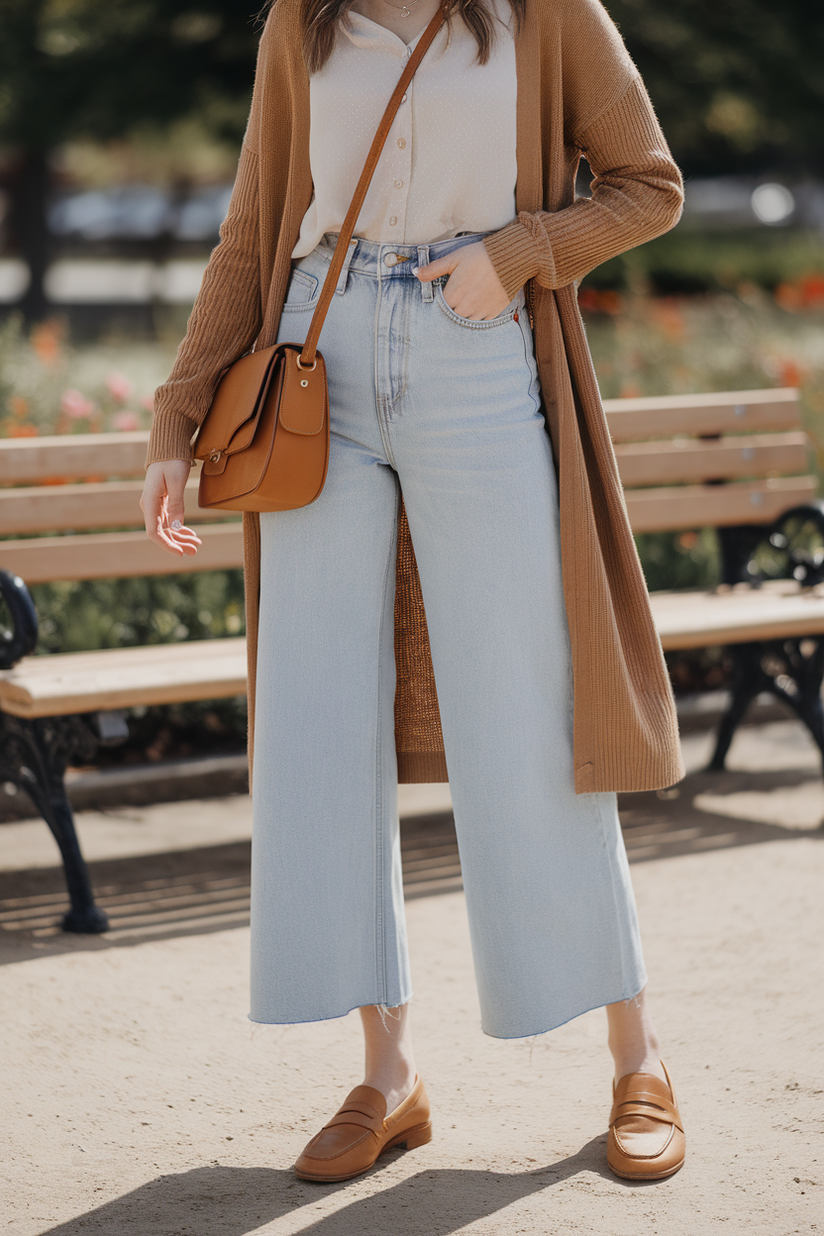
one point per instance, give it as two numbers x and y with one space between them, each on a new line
321 17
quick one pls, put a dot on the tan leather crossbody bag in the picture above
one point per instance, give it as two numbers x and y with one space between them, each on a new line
265 439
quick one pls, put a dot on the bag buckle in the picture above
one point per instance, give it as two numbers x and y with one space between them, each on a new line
214 455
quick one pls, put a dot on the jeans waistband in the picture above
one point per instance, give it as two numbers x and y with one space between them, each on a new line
385 260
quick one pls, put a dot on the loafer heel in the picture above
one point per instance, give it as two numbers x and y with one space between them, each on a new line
415 1137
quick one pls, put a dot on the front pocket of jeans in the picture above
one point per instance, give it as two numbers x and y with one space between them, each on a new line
302 293
469 323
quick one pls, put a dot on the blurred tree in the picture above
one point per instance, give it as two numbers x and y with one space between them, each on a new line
98 68
738 84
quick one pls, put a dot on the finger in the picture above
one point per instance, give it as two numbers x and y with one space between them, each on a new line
163 538
151 504
174 514
184 536
173 525
176 531
443 266
177 541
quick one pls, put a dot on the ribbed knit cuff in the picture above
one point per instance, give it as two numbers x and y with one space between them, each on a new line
421 767
170 438
515 255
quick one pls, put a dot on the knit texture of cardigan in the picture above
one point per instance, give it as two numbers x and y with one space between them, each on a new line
578 93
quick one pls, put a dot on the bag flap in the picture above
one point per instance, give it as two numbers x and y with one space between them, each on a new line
303 403
237 403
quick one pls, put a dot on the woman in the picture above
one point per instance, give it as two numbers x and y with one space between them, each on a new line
551 688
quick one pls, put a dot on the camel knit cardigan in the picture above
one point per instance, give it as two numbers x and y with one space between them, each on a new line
578 92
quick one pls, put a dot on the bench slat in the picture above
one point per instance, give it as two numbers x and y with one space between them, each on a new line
662 463
124 677
692 415
211 669
778 609
108 504
697 506
72 455
118 555
655 416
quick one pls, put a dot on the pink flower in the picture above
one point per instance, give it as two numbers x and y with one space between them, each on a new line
76 405
125 421
118 386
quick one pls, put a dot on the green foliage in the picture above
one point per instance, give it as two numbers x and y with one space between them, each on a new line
738 85
690 259
680 559
80 615
82 68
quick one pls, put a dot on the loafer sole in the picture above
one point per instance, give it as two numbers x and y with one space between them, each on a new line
670 1171
412 1139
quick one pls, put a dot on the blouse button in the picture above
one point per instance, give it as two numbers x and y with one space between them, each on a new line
403 100
398 184
401 142
393 220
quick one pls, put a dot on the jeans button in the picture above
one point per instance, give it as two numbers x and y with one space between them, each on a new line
391 259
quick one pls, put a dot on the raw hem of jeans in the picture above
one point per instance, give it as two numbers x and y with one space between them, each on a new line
306 1021
530 1034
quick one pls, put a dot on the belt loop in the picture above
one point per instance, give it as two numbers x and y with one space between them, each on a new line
344 274
427 289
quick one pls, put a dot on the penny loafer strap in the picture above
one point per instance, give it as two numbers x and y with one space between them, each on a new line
359 1105
356 1118
653 1107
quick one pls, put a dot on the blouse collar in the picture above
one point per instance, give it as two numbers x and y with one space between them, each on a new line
364 32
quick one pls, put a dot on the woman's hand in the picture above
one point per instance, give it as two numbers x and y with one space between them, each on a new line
473 289
162 507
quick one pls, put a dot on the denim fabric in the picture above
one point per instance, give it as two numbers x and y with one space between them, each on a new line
448 411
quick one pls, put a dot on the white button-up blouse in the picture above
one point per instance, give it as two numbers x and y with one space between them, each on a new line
448 165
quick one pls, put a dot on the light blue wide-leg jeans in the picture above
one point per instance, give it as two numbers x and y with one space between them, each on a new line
446 411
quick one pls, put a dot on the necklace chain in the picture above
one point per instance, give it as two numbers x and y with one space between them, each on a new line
405 9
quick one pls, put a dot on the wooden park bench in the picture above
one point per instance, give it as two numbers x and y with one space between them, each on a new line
737 462
55 709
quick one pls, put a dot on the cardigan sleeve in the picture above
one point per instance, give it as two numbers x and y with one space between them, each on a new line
223 325
637 194
637 191
227 315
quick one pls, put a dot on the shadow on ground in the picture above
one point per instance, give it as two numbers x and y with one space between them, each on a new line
154 897
233 1201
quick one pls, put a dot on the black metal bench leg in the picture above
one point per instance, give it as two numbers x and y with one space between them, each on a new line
33 756
807 671
747 682
792 670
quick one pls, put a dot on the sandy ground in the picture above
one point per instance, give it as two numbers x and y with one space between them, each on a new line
137 1098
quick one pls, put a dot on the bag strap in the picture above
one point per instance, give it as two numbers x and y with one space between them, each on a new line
310 347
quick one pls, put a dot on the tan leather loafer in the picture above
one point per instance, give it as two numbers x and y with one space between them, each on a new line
646 1137
360 1132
